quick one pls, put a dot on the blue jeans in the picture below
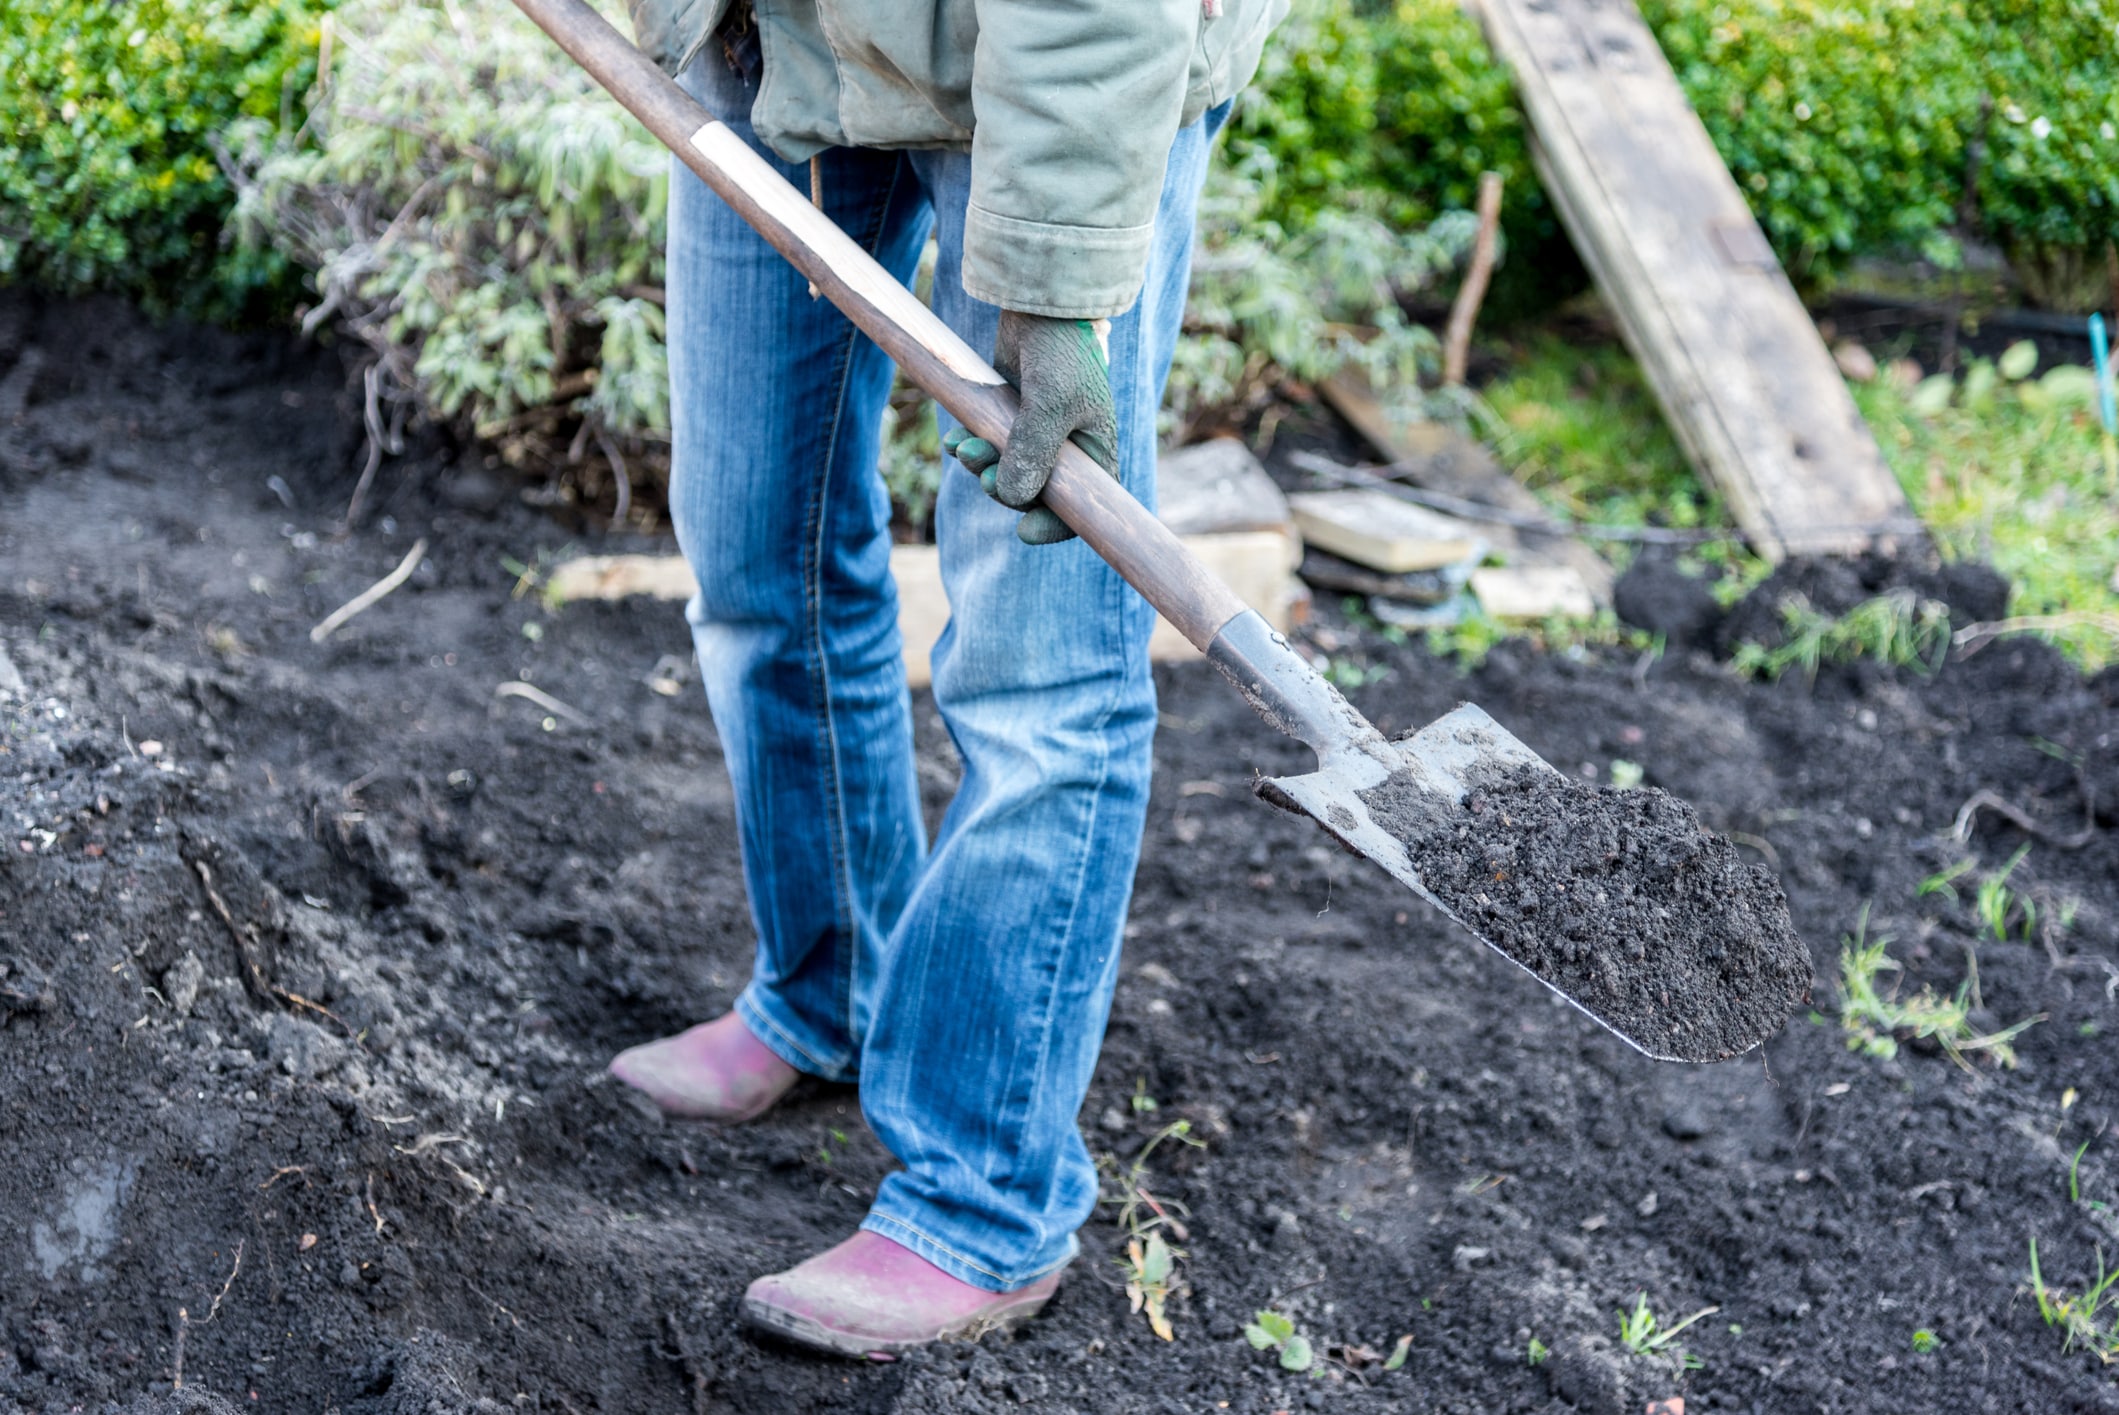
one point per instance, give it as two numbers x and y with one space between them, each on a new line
964 984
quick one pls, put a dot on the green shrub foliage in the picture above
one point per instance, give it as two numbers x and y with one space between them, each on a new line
109 118
485 218
1842 122
2047 186
1392 113
1853 127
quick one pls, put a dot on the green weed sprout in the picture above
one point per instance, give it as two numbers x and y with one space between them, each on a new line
1874 1018
1925 1341
1643 1336
1538 1352
1944 882
1898 628
2089 1319
1150 1263
1271 1331
1996 903
1151 1277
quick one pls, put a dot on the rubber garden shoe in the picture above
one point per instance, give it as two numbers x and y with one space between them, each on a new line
873 1297
715 1071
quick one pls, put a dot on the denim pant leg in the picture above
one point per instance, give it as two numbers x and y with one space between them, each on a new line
776 406
997 983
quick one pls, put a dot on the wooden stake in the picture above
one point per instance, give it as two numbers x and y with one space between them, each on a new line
1457 340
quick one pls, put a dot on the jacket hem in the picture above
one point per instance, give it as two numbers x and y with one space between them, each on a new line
1059 271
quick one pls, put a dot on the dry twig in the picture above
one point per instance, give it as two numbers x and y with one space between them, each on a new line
544 700
370 596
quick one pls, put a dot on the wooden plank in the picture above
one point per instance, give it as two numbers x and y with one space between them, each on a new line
1746 384
1258 565
1437 456
1382 532
1532 592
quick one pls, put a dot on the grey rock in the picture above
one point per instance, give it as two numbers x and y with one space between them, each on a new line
302 1049
1687 1120
180 982
10 676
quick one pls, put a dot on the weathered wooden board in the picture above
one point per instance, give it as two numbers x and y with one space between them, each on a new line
1747 385
1436 456
1383 533
1258 565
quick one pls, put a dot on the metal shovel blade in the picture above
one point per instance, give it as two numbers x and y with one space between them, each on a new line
1437 762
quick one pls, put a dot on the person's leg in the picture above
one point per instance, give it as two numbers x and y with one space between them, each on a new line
996 984
776 405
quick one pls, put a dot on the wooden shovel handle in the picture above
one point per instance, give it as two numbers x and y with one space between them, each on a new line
1121 530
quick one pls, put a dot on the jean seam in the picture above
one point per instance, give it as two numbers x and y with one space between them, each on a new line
747 1007
842 863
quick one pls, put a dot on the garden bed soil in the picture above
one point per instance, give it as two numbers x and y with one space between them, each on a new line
385 1171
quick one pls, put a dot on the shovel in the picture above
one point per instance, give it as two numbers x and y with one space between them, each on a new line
1426 775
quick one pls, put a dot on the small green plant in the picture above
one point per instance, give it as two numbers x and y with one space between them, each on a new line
1874 1017
1270 1331
1151 1278
1945 881
1399 1352
1998 906
1643 1335
1150 1262
1925 1341
1897 627
1538 1352
2074 1183
2088 1319
1626 775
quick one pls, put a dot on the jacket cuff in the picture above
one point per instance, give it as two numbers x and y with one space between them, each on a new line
1061 272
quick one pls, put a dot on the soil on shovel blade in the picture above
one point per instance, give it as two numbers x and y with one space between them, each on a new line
1619 898
415 1189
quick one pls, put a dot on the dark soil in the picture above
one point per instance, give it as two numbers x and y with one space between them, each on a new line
428 1197
1622 900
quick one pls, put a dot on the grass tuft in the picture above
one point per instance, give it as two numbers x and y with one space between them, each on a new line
1875 1018
2088 1319
1898 628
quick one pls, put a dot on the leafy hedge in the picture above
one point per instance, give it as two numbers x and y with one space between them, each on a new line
488 221
109 115
1391 112
1851 125
2048 184
1877 125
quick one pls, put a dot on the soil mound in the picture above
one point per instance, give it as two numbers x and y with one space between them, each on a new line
1623 901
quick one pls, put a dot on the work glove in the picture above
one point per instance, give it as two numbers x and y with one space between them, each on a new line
1062 375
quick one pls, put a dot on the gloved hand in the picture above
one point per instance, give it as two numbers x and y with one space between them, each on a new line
1061 373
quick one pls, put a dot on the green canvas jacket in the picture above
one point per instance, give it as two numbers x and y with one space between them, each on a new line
1068 108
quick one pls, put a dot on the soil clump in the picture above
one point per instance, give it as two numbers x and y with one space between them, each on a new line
1621 900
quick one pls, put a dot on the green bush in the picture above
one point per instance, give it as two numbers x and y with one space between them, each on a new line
487 220
1392 113
109 114
1849 125
2048 187
1843 123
